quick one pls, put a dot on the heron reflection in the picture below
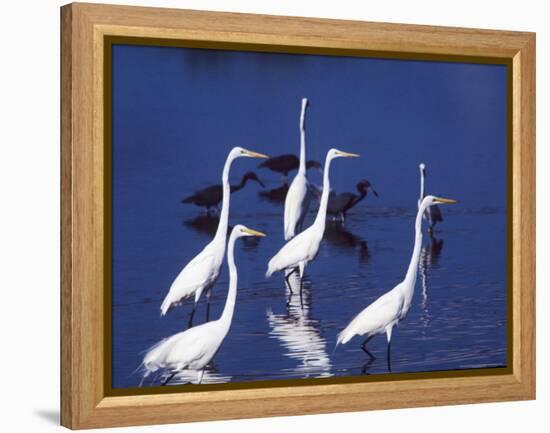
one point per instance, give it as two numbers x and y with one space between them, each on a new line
299 333
346 241
206 224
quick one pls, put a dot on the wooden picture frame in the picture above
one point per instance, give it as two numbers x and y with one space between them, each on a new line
85 28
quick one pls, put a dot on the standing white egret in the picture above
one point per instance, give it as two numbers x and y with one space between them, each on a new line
433 213
194 348
298 196
390 308
202 272
303 248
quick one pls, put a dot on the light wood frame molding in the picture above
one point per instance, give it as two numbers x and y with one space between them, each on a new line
84 403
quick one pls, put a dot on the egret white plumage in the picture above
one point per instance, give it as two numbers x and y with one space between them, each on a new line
298 196
194 348
390 308
433 213
303 248
202 272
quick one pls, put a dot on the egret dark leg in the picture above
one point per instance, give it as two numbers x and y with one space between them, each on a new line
190 323
168 379
287 278
301 268
389 356
365 368
364 347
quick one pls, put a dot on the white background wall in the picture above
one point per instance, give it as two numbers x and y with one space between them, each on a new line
29 214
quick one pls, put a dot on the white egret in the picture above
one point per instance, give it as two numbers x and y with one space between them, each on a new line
303 248
194 348
298 196
433 213
390 308
202 272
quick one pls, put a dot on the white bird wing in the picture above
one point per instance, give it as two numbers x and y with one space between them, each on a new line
302 247
198 274
192 348
374 318
295 201
196 346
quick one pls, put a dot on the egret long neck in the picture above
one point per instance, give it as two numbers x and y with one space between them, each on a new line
221 232
413 266
421 187
302 168
320 220
227 314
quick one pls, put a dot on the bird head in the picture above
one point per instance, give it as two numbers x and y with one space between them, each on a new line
335 153
242 231
238 152
422 168
364 186
430 200
250 175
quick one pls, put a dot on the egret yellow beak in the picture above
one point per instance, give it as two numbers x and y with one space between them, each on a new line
253 232
346 154
255 154
444 200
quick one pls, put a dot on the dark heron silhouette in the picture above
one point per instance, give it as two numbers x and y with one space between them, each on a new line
211 196
433 214
275 195
285 163
340 204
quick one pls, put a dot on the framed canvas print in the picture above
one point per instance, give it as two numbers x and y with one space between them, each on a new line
277 216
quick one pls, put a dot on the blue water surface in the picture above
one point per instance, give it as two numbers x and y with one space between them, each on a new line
176 114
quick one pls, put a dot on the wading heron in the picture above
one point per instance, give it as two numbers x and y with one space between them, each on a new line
202 272
303 248
194 348
340 204
390 308
211 196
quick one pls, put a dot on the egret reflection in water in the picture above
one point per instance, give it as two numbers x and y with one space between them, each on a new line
429 258
211 375
299 333
206 224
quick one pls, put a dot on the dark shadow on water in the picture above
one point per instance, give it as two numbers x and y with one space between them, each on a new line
49 415
206 224
343 239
